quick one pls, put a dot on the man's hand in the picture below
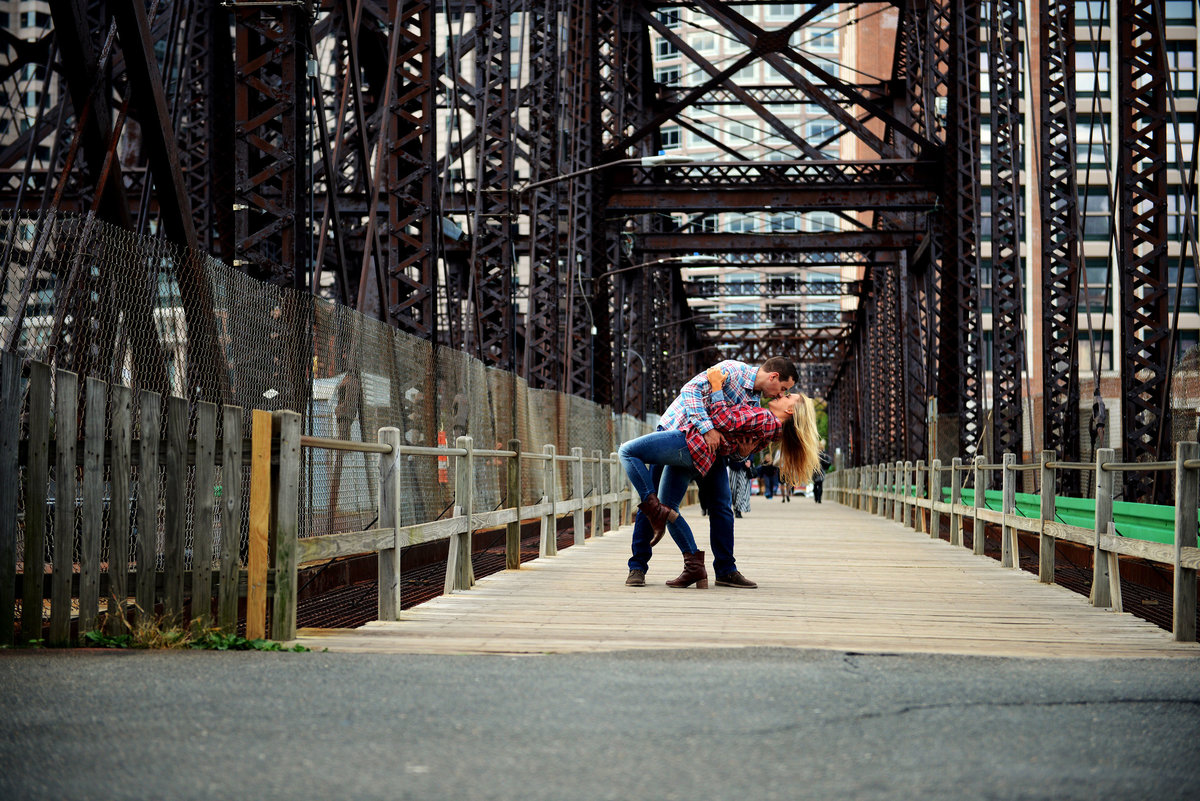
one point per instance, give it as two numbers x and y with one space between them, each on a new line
713 439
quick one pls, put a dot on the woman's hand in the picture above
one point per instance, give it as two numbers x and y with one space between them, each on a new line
716 379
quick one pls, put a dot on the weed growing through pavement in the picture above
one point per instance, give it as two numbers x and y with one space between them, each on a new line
161 632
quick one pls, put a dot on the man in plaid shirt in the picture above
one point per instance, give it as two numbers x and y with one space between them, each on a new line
744 383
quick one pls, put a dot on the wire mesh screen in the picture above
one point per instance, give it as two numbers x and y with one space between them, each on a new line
135 311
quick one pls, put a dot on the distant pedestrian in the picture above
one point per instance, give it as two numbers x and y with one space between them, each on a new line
768 471
818 480
739 484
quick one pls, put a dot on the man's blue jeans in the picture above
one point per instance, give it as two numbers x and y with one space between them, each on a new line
714 494
669 449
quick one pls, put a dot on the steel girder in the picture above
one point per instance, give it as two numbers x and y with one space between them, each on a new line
543 325
1141 85
1008 340
1060 261
490 323
413 222
269 101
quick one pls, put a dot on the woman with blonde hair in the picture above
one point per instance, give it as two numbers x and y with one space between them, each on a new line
685 455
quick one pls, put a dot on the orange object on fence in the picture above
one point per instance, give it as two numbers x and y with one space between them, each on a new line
443 461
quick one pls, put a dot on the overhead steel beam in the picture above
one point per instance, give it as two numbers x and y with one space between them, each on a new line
830 241
646 199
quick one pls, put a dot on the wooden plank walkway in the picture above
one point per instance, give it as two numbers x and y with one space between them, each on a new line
829 577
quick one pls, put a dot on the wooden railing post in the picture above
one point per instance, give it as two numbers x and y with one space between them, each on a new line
460 574
260 525
907 488
597 503
512 534
935 496
956 482
898 492
577 495
285 524
549 539
1047 543
885 478
1187 497
388 604
1101 594
1009 557
614 485
980 478
919 495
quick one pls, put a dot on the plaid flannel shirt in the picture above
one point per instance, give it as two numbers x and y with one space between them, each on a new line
691 406
739 422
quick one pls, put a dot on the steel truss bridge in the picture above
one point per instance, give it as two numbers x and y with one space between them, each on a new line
390 155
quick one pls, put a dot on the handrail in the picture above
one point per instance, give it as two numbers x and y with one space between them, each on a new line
289 551
889 490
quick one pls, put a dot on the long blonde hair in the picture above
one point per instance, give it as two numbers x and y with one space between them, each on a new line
800 451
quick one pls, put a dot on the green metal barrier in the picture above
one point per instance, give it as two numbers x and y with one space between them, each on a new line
1141 521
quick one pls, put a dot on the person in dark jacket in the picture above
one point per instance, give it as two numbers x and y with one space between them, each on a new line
768 471
818 481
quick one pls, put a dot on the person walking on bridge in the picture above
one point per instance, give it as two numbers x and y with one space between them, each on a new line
685 456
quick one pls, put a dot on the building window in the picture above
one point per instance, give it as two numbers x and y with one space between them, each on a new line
1096 288
667 76
777 12
1091 71
708 224
703 42
740 224
670 137
746 74
1091 140
1096 212
820 40
818 221
1104 344
1187 293
740 134
1180 12
701 136
669 17
1181 64
665 48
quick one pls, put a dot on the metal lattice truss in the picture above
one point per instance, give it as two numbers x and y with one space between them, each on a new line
472 172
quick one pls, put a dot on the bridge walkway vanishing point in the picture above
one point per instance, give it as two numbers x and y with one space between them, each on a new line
829 577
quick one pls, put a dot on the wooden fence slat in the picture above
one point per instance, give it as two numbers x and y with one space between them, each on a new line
260 524
285 524
147 507
10 476
121 401
202 512
66 393
37 480
981 481
92 512
231 517
175 507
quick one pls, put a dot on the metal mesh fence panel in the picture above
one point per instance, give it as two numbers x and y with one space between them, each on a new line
132 310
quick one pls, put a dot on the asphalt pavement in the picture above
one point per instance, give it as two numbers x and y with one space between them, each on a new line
743 724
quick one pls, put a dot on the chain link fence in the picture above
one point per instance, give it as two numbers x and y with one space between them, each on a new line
84 296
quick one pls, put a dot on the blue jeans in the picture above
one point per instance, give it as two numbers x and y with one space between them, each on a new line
714 495
669 449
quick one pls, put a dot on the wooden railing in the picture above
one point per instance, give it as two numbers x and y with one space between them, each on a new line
279 490
899 489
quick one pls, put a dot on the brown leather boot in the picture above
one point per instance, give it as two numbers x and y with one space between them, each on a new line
693 572
658 515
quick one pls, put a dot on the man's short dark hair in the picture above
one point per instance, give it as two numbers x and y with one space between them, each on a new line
785 367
